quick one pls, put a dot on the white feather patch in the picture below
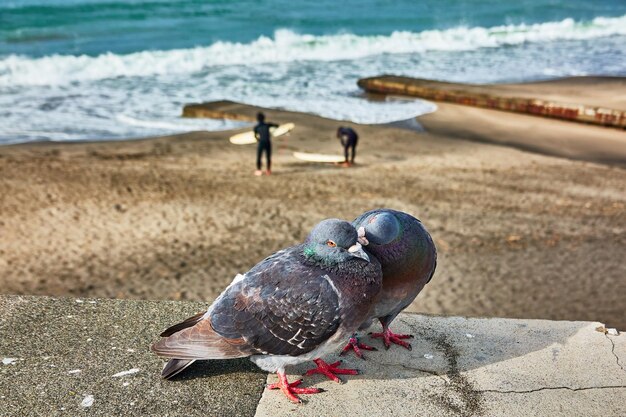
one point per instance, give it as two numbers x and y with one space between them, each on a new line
332 284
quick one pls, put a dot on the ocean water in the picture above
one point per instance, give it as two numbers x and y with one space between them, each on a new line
110 69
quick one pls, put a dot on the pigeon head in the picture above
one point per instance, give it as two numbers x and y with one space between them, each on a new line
381 228
333 241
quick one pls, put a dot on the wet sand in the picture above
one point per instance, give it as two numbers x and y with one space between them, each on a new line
519 234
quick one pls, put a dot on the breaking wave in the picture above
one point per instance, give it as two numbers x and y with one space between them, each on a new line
288 46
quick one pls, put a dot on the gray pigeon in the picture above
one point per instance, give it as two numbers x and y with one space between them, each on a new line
408 258
296 305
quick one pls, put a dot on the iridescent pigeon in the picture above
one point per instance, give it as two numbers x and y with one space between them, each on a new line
297 305
408 258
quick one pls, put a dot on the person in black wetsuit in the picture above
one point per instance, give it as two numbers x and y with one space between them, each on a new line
349 140
263 137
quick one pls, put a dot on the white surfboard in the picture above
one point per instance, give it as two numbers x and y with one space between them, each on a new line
247 138
318 157
282 129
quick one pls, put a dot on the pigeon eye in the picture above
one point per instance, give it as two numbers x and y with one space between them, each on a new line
331 243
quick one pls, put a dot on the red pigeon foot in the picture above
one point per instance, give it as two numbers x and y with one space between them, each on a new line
330 370
390 337
355 345
290 389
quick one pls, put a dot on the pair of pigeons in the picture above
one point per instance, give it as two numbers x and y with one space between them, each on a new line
307 300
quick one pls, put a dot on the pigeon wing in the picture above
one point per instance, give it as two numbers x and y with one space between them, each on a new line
284 306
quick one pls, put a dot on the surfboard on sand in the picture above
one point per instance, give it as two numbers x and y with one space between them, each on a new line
318 157
247 138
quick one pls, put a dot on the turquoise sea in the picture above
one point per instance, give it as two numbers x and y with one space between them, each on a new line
106 69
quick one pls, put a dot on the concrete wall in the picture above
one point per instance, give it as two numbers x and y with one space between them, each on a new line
91 357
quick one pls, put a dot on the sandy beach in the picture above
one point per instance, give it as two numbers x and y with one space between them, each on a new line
520 234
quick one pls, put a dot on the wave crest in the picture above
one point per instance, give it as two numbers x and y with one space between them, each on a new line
287 46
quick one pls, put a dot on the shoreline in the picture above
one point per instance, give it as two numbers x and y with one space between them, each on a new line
177 217
533 133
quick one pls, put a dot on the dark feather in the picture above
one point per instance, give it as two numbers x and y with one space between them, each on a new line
175 366
191 321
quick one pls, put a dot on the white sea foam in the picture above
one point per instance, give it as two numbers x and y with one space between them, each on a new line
287 46
181 125
137 95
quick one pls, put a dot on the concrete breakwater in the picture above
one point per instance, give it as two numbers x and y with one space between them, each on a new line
501 97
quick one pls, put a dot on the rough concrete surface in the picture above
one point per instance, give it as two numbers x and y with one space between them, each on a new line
66 350
476 367
58 352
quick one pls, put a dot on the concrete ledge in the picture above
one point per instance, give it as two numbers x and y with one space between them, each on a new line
58 354
494 97
223 109
67 351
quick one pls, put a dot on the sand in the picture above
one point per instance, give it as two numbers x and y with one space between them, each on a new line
519 234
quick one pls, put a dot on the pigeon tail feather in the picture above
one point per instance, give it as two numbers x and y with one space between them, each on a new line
200 341
191 321
175 366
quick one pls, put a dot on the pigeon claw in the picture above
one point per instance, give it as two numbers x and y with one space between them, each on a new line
291 389
390 337
331 370
355 345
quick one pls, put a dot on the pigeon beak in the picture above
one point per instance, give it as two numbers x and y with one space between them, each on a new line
357 251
